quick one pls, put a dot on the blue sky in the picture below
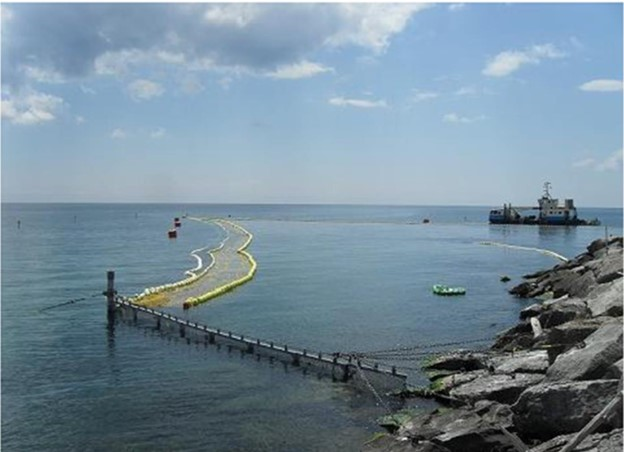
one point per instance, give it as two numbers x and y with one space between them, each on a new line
474 104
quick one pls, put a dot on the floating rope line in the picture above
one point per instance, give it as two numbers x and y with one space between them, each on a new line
526 248
72 301
414 349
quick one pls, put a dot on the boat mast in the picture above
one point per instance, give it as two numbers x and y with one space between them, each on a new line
547 185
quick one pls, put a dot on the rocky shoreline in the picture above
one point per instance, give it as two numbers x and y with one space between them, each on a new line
542 381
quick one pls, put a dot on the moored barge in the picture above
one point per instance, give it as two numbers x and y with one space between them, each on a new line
548 212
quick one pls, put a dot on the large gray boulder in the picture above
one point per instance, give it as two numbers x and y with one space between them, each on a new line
529 361
614 371
598 442
574 282
562 311
602 349
549 409
571 333
445 384
606 299
515 338
474 429
578 286
501 388
596 245
387 443
608 267
464 361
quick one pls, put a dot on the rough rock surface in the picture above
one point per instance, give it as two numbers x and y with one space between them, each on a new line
465 361
608 268
501 388
534 361
598 442
606 299
563 310
474 429
573 332
614 371
602 349
549 409
445 384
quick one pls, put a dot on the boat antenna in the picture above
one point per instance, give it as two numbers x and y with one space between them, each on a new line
547 185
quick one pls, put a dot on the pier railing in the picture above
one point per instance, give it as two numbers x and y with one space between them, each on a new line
339 366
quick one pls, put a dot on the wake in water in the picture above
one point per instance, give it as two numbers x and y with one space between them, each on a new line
230 266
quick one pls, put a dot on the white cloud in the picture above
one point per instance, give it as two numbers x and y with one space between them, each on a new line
466 91
303 69
228 39
80 120
191 85
234 14
31 108
143 89
510 61
602 85
158 133
357 103
457 119
456 6
86 90
6 14
118 134
420 96
372 25
41 75
612 162
122 61
584 163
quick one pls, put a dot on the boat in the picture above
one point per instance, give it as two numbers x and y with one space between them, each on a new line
548 212
441 289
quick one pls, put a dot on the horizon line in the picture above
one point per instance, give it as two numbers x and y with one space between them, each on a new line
272 204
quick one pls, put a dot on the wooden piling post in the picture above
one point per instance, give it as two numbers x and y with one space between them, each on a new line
345 373
182 331
110 292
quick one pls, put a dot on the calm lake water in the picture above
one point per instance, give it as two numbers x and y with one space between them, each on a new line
332 278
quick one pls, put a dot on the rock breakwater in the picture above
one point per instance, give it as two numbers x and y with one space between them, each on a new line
543 380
